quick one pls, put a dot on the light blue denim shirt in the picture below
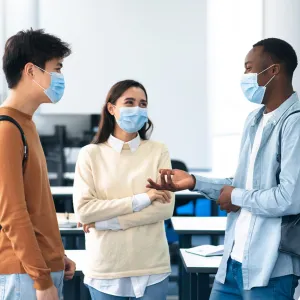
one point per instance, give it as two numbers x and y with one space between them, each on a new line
267 202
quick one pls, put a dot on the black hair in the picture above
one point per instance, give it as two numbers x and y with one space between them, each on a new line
33 46
280 52
107 121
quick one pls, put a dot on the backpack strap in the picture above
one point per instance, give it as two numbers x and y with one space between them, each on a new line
279 147
23 137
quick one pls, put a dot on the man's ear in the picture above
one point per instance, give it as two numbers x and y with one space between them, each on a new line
29 70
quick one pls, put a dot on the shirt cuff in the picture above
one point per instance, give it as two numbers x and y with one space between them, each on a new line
140 201
112 224
237 197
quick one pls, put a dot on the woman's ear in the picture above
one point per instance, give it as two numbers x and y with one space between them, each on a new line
111 108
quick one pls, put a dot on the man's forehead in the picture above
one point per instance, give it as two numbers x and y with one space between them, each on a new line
255 54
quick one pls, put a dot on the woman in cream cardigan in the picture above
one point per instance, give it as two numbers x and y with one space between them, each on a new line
127 255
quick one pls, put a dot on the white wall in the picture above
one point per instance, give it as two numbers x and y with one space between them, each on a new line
282 20
160 43
233 27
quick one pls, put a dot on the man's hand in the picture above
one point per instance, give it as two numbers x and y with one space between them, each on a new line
70 268
49 294
177 180
225 199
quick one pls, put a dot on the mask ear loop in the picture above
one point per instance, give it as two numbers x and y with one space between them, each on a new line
266 69
38 83
270 80
42 69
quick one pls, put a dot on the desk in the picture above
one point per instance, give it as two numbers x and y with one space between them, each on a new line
186 227
199 269
75 288
67 191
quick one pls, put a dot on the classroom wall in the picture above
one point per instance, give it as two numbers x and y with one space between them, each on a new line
282 20
199 95
160 43
233 27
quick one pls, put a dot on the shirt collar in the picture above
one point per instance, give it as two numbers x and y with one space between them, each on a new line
117 144
277 114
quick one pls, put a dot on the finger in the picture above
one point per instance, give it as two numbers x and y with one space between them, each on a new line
166 199
166 171
173 186
167 196
154 185
68 275
163 179
79 225
169 179
160 196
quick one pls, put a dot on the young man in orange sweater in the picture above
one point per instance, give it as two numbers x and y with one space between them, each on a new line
32 255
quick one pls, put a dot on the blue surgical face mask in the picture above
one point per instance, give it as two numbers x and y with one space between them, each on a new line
132 119
57 86
252 91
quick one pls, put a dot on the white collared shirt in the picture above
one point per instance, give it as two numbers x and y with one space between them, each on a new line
129 286
117 144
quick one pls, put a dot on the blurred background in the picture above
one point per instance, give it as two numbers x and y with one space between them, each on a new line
189 54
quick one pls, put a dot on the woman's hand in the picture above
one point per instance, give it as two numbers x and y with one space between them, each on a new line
161 196
86 227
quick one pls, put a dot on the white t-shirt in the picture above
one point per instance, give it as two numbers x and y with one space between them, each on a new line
244 219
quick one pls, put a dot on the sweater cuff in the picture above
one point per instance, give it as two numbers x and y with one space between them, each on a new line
237 197
43 284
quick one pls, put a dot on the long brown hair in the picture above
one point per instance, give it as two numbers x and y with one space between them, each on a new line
108 122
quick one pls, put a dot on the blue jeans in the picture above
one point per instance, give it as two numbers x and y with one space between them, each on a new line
20 286
157 291
279 288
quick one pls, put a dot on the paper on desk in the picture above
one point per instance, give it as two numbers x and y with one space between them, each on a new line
207 250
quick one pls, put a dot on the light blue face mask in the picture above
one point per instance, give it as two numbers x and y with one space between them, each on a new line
132 119
252 91
57 86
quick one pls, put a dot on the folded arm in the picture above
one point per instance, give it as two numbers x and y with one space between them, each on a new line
139 202
155 212
88 207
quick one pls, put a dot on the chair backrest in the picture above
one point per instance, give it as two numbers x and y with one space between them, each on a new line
178 164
